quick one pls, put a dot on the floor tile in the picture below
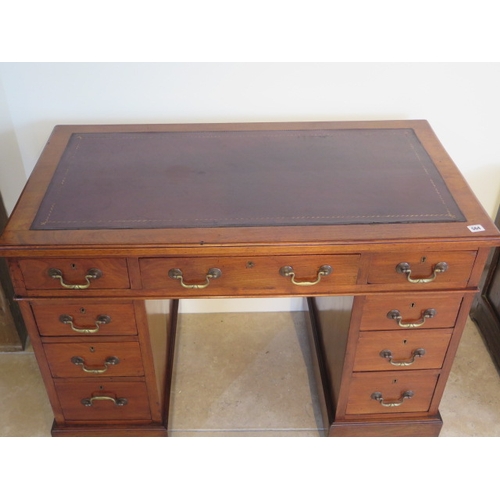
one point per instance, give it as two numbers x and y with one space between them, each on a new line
245 372
24 407
471 401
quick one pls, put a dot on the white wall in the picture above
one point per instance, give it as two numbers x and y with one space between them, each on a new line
460 100
12 172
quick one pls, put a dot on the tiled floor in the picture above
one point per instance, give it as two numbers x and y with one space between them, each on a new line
241 374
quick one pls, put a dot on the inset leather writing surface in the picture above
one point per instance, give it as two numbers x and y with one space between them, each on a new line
244 178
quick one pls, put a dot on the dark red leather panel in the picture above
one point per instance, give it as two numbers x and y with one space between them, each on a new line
244 178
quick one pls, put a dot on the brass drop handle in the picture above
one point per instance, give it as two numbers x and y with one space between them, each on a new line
111 361
116 401
212 274
404 268
396 315
417 353
100 320
92 274
288 272
377 396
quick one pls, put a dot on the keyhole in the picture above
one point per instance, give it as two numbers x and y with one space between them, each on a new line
405 341
423 259
73 266
101 387
82 310
395 381
92 349
412 305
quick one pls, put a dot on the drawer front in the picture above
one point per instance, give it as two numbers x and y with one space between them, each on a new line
238 275
65 318
408 311
390 392
94 359
401 350
108 400
74 274
422 270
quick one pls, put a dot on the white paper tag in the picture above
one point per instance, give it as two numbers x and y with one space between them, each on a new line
476 228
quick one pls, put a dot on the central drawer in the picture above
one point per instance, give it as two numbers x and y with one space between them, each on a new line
280 274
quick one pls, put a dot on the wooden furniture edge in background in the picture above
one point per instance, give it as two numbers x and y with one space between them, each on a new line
13 334
484 313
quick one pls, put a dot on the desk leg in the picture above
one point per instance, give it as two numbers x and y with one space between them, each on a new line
171 336
424 427
156 335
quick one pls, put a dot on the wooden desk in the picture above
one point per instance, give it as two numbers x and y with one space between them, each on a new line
370 220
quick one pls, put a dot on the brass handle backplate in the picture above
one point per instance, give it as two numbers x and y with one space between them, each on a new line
405 268
288 272
79 361
212 274
377 396
100 320
417 353
396 316
116 401
92 274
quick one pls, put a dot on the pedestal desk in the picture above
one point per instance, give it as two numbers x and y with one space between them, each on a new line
371 221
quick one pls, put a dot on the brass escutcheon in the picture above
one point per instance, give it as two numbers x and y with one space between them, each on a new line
377 396
102 319
288 272
387 354
405 268
396 315
212 273
92 274
116 401
79 361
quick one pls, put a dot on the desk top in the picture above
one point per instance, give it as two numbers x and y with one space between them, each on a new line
135 180
241 184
